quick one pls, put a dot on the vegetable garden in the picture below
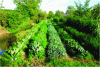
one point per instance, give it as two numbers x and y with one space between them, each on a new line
51 40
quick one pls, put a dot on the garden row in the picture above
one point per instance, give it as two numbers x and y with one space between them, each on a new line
85 40
55 48
86 26
38 43
17 50
73 48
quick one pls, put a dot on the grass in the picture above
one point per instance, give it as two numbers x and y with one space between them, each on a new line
65 63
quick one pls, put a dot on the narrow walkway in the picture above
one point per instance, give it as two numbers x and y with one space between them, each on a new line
3 31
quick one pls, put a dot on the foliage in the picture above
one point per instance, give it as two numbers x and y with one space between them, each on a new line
62 20
59 13
5 59
72 46
29 8
12 19
64 63
55 48
17 49
56 19
70 10
39 42
95 11
3 18
85 40
24 41
1 6
50 14
42 15
15 60
81 25
83 11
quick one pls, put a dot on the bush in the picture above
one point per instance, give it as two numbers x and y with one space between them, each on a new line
55 48
3 18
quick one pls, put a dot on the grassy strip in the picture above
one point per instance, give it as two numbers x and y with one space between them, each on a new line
68 63
55 47
39 42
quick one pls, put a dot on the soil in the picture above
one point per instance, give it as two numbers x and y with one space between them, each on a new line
36 61
3 32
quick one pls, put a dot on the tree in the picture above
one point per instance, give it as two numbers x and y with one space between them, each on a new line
83 11
57 13
70 9
45 14
50 14
95 11
28 7
1 5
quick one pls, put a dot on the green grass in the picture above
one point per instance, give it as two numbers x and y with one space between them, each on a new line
59 63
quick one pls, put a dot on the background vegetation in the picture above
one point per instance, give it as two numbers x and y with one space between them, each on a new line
77 28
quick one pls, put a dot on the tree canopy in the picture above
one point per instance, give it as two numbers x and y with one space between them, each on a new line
70 9
29 7
95 11
50 14
83 10
1 5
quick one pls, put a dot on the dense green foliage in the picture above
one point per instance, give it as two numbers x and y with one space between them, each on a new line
56 19
78 39
50 15
86 26
73 47
85 40
55 48
13 21
39 42
64 63
3 18
17 49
